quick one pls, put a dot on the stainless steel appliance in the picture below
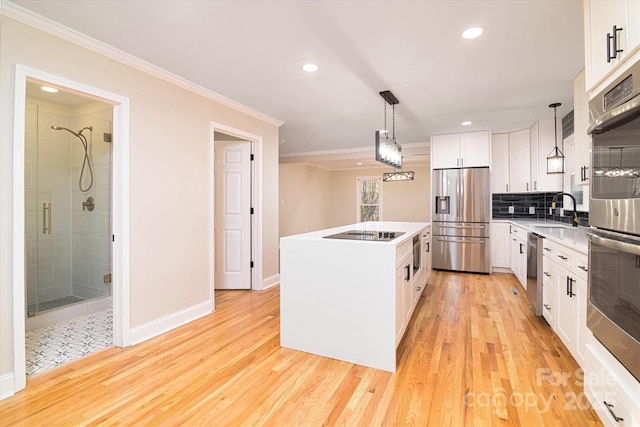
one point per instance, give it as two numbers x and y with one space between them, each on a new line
417 254
460 220
534 272
613 309
371 236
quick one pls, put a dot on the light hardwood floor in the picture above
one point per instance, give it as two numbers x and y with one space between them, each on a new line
474 354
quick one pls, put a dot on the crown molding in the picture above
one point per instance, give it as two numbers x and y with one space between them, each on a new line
39 22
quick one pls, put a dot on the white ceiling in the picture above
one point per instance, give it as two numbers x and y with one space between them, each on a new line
252 52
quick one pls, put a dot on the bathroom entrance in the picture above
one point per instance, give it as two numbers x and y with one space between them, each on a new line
49 235
67 193
68 155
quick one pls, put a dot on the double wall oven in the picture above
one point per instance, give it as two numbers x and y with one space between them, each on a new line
613 310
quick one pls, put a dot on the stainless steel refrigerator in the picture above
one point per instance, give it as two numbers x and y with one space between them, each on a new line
461 216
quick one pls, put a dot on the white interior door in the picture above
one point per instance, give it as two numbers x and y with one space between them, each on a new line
232 215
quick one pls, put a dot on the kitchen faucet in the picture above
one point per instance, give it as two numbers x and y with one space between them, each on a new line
576 221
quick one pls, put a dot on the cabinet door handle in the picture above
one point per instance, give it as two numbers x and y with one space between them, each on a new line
562 257
570 281
418 288
527 186
547 249
507 185
612 44
583 268
613 414
408 276
521 245
535 185
547 274
546 306
427 244
609 41
567 293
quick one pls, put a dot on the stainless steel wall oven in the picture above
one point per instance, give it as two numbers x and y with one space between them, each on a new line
613 310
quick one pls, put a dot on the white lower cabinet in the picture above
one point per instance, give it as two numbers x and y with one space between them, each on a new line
611 389
403 294
500 238
565 295
519 254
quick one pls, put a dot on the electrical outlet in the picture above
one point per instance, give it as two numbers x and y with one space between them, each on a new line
511 209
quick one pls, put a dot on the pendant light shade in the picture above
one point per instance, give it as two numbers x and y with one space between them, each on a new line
555 159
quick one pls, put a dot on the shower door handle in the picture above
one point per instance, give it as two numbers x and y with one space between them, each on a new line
46 218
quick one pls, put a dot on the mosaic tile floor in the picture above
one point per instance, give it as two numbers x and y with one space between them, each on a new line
68 340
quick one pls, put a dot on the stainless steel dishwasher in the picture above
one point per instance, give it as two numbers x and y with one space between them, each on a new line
534 272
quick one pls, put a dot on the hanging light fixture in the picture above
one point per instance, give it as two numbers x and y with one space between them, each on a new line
555 159
388 151
398 176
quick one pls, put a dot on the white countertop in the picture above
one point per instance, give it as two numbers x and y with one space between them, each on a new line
409 228
573 237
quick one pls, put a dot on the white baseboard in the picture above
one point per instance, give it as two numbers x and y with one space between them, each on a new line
160 326
501 270
7 386
270 281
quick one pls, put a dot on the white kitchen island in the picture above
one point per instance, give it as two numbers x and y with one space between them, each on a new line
352 299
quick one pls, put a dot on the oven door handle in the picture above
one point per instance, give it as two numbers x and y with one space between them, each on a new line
610 119
615 244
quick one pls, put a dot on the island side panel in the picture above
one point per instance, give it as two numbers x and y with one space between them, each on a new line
337 299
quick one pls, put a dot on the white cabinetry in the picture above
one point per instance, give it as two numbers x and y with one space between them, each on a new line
612 391
500 238
565 272
403 294
519 254
612 34
460 150
500 163
581 120
519 167
542 142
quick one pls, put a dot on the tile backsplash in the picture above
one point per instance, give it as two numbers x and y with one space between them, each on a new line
518 205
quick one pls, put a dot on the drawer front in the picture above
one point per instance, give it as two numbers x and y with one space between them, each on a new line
548 304
565 257
581 265
403 250
548 249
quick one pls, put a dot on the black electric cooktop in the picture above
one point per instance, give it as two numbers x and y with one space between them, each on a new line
370 236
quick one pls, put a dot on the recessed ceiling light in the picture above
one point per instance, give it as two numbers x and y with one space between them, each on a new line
465 123
49 89
310 68
472 33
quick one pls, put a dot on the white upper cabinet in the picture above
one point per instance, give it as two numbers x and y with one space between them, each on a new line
612 34
519 166
541 146
581 120
500 163
460 150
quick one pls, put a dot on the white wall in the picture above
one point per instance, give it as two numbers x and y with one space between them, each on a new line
312 198
169 175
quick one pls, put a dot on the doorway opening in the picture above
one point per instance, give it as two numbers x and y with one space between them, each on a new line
236 258
70 217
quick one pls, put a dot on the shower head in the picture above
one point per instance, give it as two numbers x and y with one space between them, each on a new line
77 134
54 127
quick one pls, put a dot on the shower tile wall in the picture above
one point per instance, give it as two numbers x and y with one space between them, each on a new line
74 257
91 230
541 202
49 256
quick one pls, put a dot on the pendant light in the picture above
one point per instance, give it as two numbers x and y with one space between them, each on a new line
388 151
555 159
